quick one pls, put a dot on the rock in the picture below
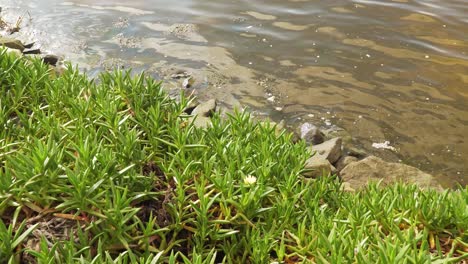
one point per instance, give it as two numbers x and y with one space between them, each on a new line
188 32
330 150
205 109
190 107
180 74
15 51
200 121
346 187
336 131
373 169
11 43
311 134
32 51
318 166
188 82
50 59
29 45
202 113
345 161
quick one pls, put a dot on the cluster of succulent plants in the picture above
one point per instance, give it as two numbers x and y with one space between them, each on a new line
112 170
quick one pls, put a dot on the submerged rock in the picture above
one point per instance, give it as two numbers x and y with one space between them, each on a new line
373 169
186 31
179 74
356 152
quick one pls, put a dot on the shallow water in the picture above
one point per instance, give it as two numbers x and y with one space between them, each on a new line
392 71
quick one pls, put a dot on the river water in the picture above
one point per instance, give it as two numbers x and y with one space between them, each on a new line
383 70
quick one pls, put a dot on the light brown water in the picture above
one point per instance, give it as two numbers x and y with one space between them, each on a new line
392 71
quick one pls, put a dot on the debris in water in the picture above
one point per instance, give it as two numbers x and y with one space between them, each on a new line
384 145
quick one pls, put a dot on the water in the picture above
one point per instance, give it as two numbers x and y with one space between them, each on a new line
392 71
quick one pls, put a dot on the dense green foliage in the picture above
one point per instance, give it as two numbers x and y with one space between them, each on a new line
111 170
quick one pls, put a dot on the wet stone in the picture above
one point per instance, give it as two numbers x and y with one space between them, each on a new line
50 59
356 152
311 134
345 161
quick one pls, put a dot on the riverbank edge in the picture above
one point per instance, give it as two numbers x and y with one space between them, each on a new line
331 151
203 123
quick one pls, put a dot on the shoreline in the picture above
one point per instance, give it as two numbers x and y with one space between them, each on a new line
329 154
305 130
119 160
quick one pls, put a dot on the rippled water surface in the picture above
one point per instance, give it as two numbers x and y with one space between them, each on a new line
383 70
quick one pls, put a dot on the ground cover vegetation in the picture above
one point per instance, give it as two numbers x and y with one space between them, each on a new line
111 170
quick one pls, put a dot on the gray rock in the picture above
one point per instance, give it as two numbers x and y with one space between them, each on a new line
372 169
345 161
317 166
200 121
11 43
330 150
311 134
205 109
